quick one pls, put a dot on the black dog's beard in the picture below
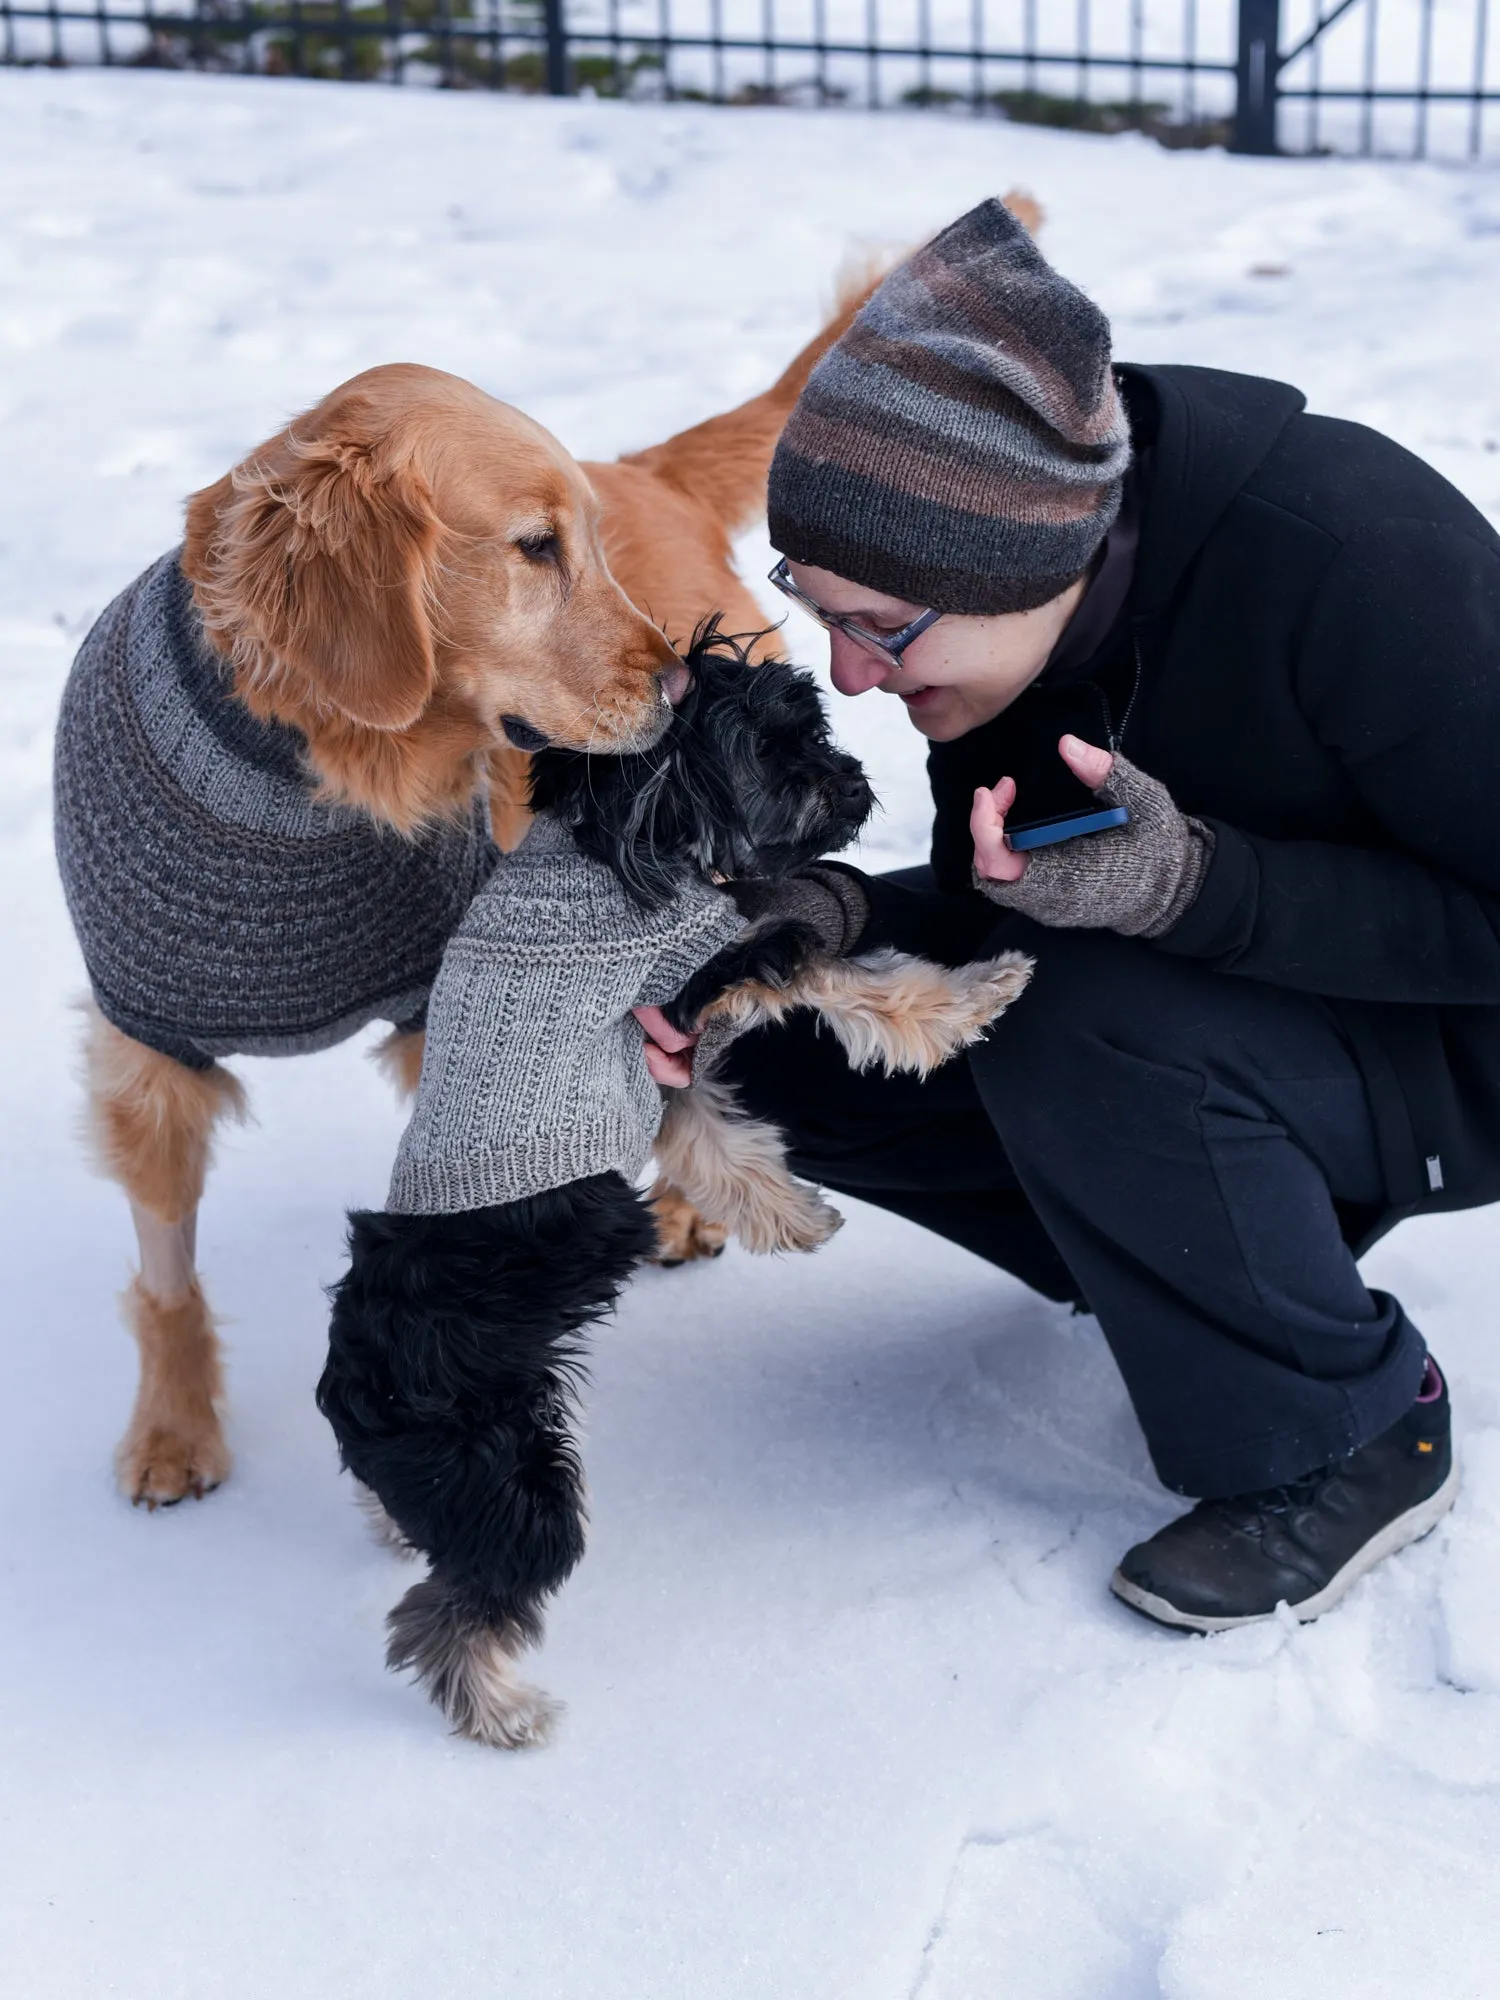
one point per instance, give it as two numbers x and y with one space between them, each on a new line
746 782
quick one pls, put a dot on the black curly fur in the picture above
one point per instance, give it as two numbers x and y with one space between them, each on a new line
747 781
453 1355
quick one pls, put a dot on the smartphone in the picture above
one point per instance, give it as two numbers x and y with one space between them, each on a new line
1051 804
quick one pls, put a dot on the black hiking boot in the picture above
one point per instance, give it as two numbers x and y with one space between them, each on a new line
1231 1562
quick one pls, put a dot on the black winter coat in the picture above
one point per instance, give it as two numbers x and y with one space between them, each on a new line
1309 659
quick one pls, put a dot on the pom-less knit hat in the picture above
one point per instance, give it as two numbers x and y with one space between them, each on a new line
962 445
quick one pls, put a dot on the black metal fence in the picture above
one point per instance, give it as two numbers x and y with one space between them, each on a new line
1415 77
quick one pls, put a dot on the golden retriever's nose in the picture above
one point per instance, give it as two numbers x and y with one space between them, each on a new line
675 682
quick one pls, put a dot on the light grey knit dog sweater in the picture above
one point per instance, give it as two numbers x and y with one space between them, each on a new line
534 1073
220 905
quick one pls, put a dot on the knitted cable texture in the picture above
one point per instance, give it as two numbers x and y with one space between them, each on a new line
219 904
534 1073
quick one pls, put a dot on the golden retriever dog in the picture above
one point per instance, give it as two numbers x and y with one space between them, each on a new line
402 576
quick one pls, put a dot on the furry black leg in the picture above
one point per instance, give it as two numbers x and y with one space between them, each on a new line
454 1351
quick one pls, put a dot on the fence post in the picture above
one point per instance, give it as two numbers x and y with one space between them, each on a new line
1256 71
559 80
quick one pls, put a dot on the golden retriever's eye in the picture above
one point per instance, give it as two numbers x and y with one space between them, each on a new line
540 548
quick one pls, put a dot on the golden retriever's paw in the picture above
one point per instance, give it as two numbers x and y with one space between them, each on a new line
159 1463
682 1233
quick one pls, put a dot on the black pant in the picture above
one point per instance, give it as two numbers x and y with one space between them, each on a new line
1189 1153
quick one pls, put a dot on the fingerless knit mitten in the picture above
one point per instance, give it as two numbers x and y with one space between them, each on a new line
1138 879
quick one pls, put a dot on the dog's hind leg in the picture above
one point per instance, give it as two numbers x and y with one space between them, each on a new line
151 1121
734 1168
398 1057
682 1234
454 1348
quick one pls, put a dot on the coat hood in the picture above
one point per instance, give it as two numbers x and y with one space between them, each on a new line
1208 432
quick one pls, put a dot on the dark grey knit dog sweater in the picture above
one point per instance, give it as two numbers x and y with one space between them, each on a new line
220 905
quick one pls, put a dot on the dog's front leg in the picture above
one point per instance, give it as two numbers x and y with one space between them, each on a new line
453 1354
770 960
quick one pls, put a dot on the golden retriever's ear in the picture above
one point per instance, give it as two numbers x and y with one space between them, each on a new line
312 561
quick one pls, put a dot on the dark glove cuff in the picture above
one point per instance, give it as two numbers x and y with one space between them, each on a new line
847 885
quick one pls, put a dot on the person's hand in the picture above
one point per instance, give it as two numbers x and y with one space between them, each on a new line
992 858
669 1052
1138 879
826 897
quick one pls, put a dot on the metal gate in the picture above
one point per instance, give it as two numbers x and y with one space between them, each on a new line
1412 77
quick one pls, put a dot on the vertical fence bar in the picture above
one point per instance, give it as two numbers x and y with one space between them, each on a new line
398 41
768 45
1190 60
1367 112
924 51
555 24
976 57
1137 40
1028 42
1424 84
872 54
1083 72
497 53
1313 126
820 51
1255 77
716 35
1481 56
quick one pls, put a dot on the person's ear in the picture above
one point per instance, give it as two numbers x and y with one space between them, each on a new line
319 549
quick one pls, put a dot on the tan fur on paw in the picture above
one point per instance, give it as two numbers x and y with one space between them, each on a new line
682 1234
174 1449
159 1466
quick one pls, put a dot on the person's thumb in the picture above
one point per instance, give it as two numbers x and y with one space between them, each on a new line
1086 761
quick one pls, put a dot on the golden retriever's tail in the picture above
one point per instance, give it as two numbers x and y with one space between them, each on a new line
721 465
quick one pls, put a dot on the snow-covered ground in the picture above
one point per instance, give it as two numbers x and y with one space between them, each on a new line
852 1716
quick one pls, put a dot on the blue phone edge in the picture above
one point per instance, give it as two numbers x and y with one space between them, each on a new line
1028 837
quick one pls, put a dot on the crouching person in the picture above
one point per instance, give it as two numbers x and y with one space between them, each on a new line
1264 1024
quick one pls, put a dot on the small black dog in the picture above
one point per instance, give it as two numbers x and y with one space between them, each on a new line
457 1339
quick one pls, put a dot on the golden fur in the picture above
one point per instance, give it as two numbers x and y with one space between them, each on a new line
404 566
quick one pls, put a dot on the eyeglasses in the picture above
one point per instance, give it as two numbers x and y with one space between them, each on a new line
889 645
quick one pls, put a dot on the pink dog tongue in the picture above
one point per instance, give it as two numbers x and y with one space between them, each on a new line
675 683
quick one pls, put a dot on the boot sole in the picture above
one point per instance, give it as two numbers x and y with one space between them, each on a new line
1398 1534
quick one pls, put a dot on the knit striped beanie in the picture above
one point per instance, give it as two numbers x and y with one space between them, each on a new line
962 445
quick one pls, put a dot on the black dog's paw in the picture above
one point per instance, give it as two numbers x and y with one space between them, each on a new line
772 958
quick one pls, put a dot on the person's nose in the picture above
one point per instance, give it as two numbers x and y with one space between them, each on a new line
855 670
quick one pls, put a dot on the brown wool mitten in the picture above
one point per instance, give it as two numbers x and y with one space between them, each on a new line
1138 879
830 901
